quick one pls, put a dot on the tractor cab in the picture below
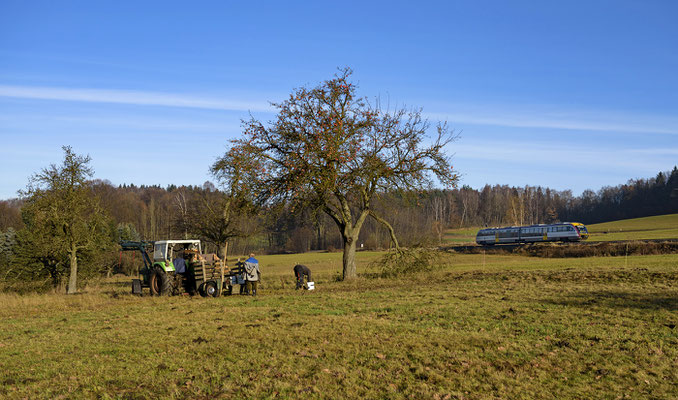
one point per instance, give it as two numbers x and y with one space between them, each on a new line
165 251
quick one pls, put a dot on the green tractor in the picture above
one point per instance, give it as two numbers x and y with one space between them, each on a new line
193 272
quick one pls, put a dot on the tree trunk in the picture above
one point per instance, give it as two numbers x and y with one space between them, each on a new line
223 251
73 280
349 271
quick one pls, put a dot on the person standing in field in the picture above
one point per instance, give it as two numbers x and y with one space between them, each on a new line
252 275
299 272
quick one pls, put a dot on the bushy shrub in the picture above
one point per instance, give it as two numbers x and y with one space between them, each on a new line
407 261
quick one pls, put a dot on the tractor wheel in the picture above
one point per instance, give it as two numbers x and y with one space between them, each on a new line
160 282
209 289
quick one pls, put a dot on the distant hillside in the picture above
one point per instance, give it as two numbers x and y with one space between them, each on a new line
657 227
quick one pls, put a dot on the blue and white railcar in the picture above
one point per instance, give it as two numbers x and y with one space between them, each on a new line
563 231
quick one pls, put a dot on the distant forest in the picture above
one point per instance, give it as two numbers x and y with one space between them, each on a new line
153 213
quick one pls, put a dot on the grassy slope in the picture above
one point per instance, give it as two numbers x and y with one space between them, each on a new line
657 227
481 327
460 235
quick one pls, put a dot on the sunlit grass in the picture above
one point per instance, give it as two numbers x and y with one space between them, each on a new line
480 327
657 227
460 235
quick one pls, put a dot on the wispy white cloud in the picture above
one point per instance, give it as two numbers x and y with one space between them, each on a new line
170 123
540 155
132 97
489 115
516 117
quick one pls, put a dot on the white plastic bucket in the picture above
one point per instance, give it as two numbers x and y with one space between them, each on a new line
310 285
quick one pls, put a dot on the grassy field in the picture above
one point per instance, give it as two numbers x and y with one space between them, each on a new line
480 327
460 235
657 227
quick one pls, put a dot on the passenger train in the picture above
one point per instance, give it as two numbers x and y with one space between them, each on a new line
562 231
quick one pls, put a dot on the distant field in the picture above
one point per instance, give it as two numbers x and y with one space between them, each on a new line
480 327
657 227
460 236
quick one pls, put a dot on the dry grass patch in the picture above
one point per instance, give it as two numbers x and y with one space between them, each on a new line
516 328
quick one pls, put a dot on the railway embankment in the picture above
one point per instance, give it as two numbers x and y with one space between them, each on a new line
578 249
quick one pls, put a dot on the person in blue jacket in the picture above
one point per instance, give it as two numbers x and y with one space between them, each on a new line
179 264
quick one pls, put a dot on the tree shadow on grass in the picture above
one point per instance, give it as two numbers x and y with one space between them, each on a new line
619 299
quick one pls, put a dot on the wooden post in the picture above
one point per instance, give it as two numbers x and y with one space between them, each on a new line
223 264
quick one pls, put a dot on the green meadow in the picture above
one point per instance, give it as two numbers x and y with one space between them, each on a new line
477 327
657 227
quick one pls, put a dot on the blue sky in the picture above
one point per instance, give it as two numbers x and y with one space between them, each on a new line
568 95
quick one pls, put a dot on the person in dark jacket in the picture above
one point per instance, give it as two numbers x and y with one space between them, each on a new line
299 272
179 265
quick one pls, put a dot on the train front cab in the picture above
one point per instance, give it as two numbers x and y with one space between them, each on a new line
581 230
